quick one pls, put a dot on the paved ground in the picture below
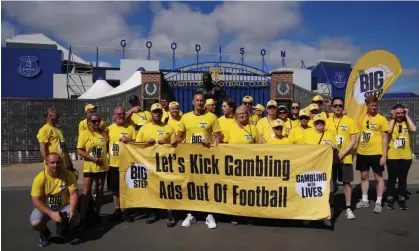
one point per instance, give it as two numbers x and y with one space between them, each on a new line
392 230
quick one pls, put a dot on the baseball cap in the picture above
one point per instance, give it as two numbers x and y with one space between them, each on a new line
133 98
156 106
247 99
282 107
209 101
318 117
277 123
312 107
260 107
89 107
173 104
304 112
317 98
271 103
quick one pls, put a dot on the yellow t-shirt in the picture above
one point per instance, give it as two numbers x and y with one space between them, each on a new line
277 141
55 142
399 146
95 144
199 127
297 135
166 114
370 138
237 134
115 134
140 118
225 124
254 118
157 132
174 123
83 125
295 123
54 192
265 128
288 127
311 137
343 129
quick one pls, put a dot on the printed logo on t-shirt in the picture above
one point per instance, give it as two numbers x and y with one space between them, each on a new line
343 128
373 125
203 125
160 132
247 137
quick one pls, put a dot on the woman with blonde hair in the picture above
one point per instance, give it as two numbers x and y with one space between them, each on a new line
92 147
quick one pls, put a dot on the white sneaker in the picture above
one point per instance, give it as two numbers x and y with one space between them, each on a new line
363 204
210 221
349 214
378 208
188 221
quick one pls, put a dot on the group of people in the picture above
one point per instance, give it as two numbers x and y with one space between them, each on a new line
375 141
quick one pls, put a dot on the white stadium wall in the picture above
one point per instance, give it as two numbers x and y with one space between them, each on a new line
302 78
78 82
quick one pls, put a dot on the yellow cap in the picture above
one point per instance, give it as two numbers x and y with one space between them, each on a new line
317 98
318 117
173 104
312 107
277 123
156 106
89 107
247 99
259 107
209 101
304 112
271 103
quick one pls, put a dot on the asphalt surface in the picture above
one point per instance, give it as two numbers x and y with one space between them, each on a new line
390 230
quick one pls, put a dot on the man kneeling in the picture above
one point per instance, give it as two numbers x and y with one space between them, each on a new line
54 196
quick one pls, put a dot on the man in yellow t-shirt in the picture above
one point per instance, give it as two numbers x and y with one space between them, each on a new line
297 133
318 100
399 156
258 110
241 131
210 105
54 196
120 132
164 101
51 140
294 114
346 132
264 125
279 138
199 127
248 101
174 119
372 152
160 133
283 114
83 124
136 115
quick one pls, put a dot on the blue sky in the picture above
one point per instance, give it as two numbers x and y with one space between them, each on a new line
306 30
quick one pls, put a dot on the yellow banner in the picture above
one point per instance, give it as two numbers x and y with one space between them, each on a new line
267 181
373 74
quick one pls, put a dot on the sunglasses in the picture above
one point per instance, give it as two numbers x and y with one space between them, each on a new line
400 128
318 102
318 122
96 121
278 128
247 103
295 107
280 113
368 124
304 118
338 105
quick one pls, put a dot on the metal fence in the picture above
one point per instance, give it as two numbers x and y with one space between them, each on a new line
23 117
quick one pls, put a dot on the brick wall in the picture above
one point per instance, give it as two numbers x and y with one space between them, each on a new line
278 77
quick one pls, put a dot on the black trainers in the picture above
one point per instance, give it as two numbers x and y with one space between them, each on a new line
170 220
116 215
44 238
152 218
96 219
402 203
127 217
390 203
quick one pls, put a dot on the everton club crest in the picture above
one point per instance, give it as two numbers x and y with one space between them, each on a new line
29 66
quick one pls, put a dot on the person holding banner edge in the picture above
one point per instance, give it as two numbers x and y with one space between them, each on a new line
198 127
160 133
372 152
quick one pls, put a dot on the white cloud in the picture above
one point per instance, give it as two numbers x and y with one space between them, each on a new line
410 72
6 31
102 64
76 23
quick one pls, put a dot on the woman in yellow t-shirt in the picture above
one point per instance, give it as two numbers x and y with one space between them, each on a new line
92 147
229 108
399 157
279 138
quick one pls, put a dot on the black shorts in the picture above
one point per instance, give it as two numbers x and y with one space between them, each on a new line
343 173
365 162
94 175
113 179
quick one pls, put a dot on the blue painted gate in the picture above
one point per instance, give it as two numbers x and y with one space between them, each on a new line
238 80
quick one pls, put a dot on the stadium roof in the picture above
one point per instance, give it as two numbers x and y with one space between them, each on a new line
38 38
400 95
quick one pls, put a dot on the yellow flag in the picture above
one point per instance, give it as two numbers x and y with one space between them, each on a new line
373 74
